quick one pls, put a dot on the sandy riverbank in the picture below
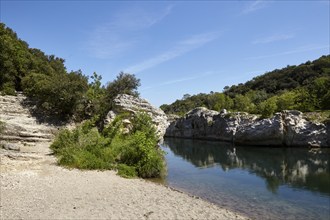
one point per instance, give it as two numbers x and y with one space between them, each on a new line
34 187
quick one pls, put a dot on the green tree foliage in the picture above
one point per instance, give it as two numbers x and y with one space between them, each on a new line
243 103
287 78
304 87
215 101
320 88
305 100
218 101
95 96
58 94
286 101
125 83
39 76
267 108
14 59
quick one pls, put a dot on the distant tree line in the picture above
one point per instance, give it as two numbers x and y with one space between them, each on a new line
304 87
45 79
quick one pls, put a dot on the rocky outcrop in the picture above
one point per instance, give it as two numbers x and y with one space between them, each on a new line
287 128
21 128
127 103
261 132
298 131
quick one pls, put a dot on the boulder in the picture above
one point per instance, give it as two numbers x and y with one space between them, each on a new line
194 125
203 123
127 103
266 132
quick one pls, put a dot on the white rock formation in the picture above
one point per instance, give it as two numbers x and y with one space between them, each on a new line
286 128
21 128
127 103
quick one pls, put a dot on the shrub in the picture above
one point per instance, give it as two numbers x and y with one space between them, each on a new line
126 171
142 122
8 89
83 148
267 108
142 152
136 153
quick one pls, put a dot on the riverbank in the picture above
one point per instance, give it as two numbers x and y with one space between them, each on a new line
33 186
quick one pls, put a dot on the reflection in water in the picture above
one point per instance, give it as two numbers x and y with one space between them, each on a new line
298 168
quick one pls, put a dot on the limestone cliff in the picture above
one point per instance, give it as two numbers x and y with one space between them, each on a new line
286 128
21 128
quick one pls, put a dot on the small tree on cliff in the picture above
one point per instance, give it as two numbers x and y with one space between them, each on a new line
124 83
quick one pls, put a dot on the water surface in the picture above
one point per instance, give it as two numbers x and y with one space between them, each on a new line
260 182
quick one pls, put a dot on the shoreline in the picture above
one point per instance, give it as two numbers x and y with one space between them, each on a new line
35 187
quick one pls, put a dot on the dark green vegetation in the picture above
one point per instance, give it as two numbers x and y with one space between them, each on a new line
304 87
134 151
45 79
70 95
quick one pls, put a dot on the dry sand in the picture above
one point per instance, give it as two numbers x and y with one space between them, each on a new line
34 187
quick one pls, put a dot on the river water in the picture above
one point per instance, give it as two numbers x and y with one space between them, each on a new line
259 182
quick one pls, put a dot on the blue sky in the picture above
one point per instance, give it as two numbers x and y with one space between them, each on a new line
174 47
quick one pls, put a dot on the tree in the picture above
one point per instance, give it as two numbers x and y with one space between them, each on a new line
243 103
306 101
320 88
95 96
267 108
186 96
286 101
125 83
218 101
58 94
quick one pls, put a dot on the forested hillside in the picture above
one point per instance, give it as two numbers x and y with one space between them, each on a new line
45 79
304 87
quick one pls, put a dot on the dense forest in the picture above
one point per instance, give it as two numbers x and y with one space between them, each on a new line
44 78
304 87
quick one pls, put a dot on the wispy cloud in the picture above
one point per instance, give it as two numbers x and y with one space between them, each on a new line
181 48
121 33
254 6
273 38
298 50
202 75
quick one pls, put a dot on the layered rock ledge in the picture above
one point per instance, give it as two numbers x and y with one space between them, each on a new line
287 128
22 129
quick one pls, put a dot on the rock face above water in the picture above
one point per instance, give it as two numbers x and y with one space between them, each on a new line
127 103
287 128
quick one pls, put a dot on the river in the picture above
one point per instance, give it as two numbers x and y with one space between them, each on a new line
260 182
